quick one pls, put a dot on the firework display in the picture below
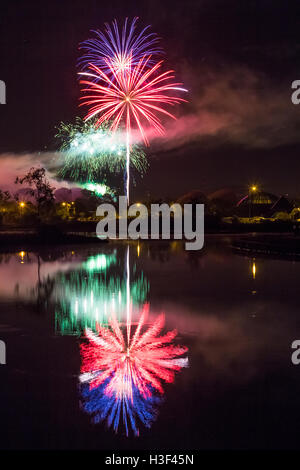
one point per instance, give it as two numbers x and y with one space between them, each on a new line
137 96
121 48
122 378
90 155
98 189
125 85
125 360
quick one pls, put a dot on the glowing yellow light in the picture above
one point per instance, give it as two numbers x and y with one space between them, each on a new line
138 204
253 188
138 249
22 204
63 203
22 255
253 269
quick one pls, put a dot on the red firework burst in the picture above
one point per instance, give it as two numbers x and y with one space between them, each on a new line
136 95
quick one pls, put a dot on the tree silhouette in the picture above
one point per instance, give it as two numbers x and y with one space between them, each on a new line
40 187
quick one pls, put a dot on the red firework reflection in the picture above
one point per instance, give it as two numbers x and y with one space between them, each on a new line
129 372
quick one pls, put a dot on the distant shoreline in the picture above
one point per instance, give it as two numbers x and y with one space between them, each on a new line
247 243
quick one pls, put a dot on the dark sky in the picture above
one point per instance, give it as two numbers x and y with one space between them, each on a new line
237 59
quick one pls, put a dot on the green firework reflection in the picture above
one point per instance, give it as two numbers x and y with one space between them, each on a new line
95 290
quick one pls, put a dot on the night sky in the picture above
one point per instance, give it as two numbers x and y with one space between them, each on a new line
237 59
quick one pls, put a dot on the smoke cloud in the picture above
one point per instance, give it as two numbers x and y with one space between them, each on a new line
13 165
232 105
236 106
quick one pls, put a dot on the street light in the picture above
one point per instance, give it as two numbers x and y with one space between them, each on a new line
22 256
252 189
21 205
67 206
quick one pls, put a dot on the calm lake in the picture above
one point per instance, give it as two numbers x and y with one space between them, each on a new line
223 380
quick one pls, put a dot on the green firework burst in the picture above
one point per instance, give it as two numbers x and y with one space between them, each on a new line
90 154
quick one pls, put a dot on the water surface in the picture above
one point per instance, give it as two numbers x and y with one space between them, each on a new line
235 317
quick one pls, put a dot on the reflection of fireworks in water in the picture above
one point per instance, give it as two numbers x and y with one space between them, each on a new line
124 378
106 407
87 295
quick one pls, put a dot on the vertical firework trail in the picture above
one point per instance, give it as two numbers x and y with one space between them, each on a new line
127 164
125 85
128 307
